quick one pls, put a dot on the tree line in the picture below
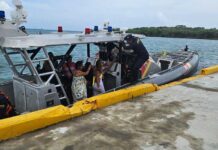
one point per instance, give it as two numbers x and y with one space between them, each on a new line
179 31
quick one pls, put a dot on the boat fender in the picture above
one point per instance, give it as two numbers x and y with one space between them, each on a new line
210 70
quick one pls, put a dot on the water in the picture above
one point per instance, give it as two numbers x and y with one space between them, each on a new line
207 49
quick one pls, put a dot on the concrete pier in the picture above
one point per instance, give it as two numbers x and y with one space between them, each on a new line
183 117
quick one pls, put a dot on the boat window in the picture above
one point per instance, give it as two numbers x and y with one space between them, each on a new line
59 53
58 50
19 64
80 52
5 72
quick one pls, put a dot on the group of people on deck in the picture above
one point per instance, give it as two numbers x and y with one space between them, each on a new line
86 81
83 81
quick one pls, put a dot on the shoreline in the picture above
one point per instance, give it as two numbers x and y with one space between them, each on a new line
182 38
179 31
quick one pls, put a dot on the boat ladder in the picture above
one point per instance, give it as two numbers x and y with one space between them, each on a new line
28 62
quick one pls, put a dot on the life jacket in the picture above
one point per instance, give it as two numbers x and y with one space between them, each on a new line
6 108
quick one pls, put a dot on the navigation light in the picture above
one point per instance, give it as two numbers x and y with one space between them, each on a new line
109 29
2 15
96 28
60 29
87 30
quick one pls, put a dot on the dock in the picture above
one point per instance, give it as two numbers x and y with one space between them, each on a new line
178 117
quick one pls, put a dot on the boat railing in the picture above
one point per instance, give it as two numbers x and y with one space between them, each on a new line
37 89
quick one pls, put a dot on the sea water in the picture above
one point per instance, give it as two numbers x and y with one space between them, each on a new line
207 49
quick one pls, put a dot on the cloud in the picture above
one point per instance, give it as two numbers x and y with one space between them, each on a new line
162 18
6 7
78 14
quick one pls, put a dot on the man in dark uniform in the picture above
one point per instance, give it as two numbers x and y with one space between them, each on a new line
140 51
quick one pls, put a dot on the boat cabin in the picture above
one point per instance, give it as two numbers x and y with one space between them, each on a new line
34 88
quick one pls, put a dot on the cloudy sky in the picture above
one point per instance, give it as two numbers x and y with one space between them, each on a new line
78 14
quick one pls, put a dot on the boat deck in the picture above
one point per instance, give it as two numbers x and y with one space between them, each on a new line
178 117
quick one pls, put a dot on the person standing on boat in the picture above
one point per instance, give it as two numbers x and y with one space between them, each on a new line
68 69
78 87
98 86
186 48
140 51
89 79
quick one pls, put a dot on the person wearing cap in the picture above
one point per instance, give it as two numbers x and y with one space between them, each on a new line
140 51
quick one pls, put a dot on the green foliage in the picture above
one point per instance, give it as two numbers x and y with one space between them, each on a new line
179 31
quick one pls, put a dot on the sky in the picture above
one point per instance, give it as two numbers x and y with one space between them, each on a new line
78 14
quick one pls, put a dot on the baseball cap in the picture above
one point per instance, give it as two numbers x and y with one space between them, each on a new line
128 37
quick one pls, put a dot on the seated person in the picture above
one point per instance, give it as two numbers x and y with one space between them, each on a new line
108 51
46 65
112 51
53 59
78 87
114 56
6 108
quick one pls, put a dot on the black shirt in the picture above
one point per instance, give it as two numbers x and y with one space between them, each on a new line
138 48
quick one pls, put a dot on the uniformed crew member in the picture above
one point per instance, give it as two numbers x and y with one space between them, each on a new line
140 51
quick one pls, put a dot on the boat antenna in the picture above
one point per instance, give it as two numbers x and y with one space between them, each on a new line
106 25
19 15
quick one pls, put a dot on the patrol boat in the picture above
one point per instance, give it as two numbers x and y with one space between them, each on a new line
32 90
